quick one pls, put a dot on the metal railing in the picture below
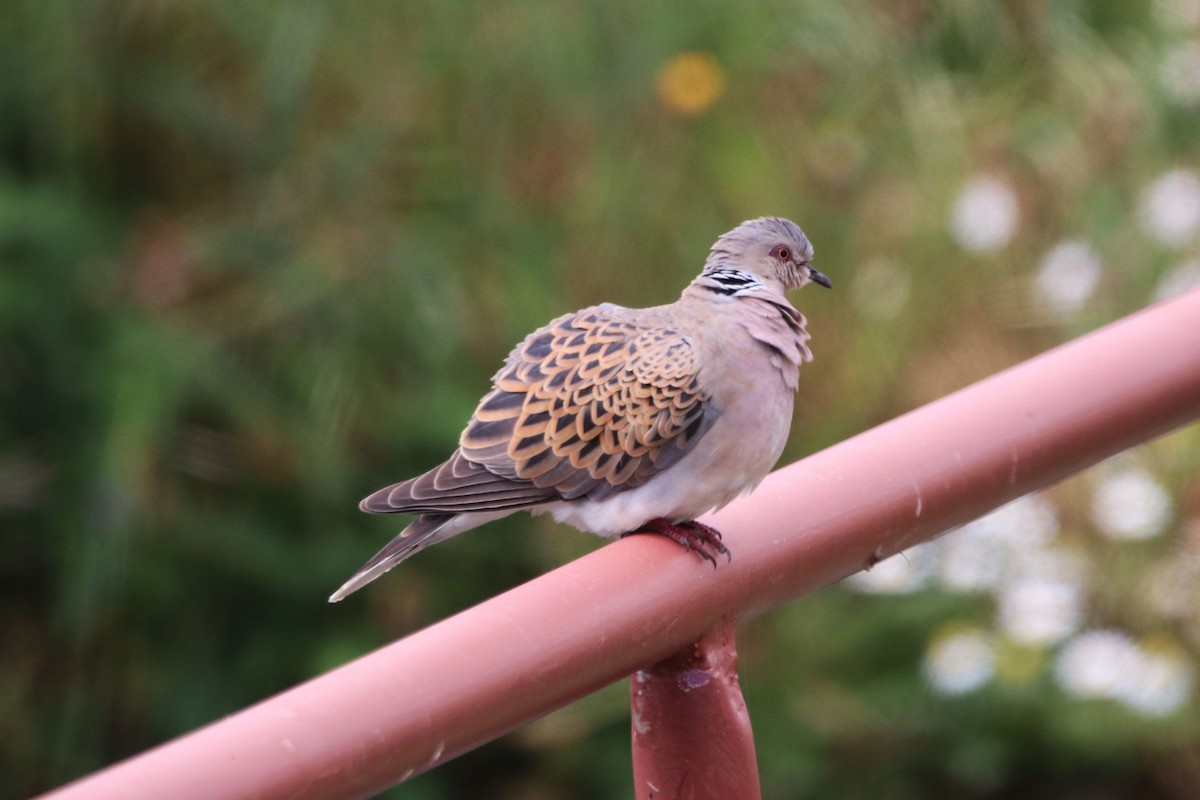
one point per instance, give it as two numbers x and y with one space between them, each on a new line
441 691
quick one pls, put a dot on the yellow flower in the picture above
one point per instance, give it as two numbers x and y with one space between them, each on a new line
690 83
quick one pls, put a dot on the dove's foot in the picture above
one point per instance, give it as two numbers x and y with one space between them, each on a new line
695 536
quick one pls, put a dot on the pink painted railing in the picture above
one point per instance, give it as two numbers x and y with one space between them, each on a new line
642 601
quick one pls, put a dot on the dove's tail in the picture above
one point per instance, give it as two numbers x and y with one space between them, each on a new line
425 530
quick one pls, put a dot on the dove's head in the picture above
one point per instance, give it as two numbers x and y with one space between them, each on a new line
772 250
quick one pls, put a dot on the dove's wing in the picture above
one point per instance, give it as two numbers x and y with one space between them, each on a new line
592 404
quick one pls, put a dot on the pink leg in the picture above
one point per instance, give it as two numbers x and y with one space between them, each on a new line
695 536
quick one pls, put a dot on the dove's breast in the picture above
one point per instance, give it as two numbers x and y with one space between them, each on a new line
752 405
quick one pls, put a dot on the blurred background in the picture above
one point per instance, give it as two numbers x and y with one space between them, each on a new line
259 259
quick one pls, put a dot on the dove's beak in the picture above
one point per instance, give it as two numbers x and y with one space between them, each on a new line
816 276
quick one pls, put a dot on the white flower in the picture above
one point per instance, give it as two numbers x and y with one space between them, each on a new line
1160 686
902 573
1183 278
1130 504
961 662
1068 276
971 560
1026 521
1180 74
1169 208
1008 541
985 214
1152 681
1039 611
1096 663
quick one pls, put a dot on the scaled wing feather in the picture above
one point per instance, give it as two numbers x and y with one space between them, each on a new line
590 405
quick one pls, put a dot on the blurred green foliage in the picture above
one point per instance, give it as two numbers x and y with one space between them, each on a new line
258 259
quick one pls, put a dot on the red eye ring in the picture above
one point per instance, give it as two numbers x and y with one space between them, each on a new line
781 252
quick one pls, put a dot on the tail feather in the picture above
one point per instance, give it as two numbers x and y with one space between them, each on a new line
425 530
455 486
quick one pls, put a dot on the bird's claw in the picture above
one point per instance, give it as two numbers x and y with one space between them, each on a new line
701 539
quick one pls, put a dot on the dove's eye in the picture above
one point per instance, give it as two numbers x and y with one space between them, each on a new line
781 252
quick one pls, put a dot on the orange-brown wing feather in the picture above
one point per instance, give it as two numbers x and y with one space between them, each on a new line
589 405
